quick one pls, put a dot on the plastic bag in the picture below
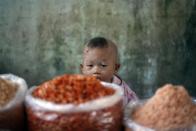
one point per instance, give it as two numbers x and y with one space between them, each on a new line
170 109
131 125
12 114
102 114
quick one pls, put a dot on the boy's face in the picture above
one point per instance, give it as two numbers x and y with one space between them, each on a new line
99 62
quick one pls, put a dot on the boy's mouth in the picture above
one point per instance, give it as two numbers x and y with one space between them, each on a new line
97 76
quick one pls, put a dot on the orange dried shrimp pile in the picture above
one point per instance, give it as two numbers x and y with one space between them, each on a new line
74 89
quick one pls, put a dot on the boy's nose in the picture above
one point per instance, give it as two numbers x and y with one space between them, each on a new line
96 70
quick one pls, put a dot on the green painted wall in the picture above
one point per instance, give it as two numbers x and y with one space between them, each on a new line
40 39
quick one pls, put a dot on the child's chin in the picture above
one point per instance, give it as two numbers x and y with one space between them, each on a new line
99 78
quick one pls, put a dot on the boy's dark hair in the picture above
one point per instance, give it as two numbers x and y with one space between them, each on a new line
101 42
98 42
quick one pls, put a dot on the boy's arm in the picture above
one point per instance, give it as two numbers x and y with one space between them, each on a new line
131 95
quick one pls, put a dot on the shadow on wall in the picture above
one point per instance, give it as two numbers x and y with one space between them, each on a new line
190 68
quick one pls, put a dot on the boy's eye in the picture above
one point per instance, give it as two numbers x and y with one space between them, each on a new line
90 65
103 65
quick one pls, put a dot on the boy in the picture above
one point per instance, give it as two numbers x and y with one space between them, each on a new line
100 59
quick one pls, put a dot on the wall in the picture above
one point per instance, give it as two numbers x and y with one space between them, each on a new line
40 39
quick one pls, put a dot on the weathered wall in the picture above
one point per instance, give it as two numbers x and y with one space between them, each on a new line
43 38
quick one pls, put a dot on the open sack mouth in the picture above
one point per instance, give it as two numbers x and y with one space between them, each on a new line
170 108
97 103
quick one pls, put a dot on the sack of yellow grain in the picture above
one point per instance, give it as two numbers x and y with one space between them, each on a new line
12 94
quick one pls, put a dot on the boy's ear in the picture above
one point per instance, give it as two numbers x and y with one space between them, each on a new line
81 68
117 67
